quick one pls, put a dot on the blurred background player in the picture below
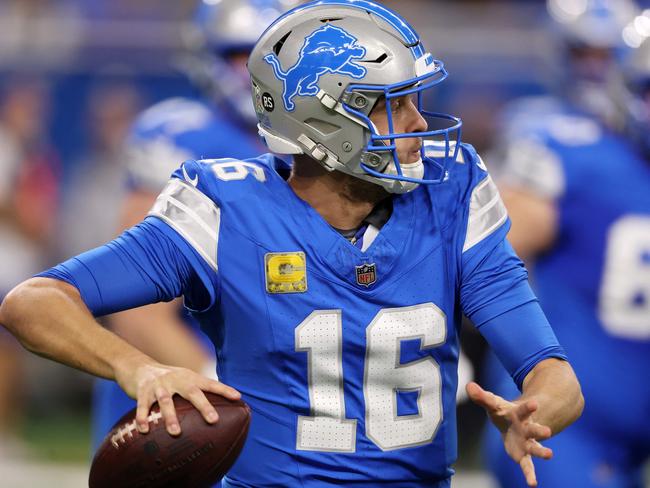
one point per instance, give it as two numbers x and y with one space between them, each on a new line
29 189
98 179
576 183
219 121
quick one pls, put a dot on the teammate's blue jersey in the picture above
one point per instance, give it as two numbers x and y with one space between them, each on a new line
594 285
171 131
179 129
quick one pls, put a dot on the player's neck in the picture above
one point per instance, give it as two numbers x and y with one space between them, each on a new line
342 200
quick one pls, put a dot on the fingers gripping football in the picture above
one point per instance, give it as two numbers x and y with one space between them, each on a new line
159 384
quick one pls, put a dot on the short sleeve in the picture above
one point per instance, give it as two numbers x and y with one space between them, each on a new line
487 214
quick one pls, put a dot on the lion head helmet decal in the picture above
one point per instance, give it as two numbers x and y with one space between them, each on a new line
329 49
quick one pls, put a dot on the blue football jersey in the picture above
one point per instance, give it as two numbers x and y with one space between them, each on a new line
347 358
347 355
594 285
166 133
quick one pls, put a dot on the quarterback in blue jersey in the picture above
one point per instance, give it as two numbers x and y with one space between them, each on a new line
579 196
332 288
174 130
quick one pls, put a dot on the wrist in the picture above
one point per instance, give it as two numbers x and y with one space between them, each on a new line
129 367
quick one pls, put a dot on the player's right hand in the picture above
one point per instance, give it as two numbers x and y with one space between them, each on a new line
151 383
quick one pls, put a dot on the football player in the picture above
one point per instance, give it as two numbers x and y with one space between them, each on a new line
217 123
332 289
578 192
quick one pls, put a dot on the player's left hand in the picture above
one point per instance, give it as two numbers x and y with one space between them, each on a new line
520 433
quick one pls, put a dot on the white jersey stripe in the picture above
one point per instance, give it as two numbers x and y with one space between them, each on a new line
486 213
483 194
193 215
477 213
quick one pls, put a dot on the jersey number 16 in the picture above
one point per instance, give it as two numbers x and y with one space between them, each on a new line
327 428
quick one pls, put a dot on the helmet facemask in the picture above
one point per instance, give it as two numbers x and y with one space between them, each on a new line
381 160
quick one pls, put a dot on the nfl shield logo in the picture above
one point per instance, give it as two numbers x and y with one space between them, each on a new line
366 274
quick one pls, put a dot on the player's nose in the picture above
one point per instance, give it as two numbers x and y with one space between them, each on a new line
417 123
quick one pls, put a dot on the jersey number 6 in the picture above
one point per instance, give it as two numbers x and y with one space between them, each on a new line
624 306
327 428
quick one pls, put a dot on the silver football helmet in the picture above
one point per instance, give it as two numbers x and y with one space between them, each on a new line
318 71
590 39
220 31
593 23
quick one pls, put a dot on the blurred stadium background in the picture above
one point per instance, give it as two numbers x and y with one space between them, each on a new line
74 73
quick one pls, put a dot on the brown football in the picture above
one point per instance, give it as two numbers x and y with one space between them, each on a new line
199 457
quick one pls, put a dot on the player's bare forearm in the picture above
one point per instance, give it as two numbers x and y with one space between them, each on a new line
49 318
153 328
554 386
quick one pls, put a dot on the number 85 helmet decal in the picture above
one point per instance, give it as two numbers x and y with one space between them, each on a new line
318 71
